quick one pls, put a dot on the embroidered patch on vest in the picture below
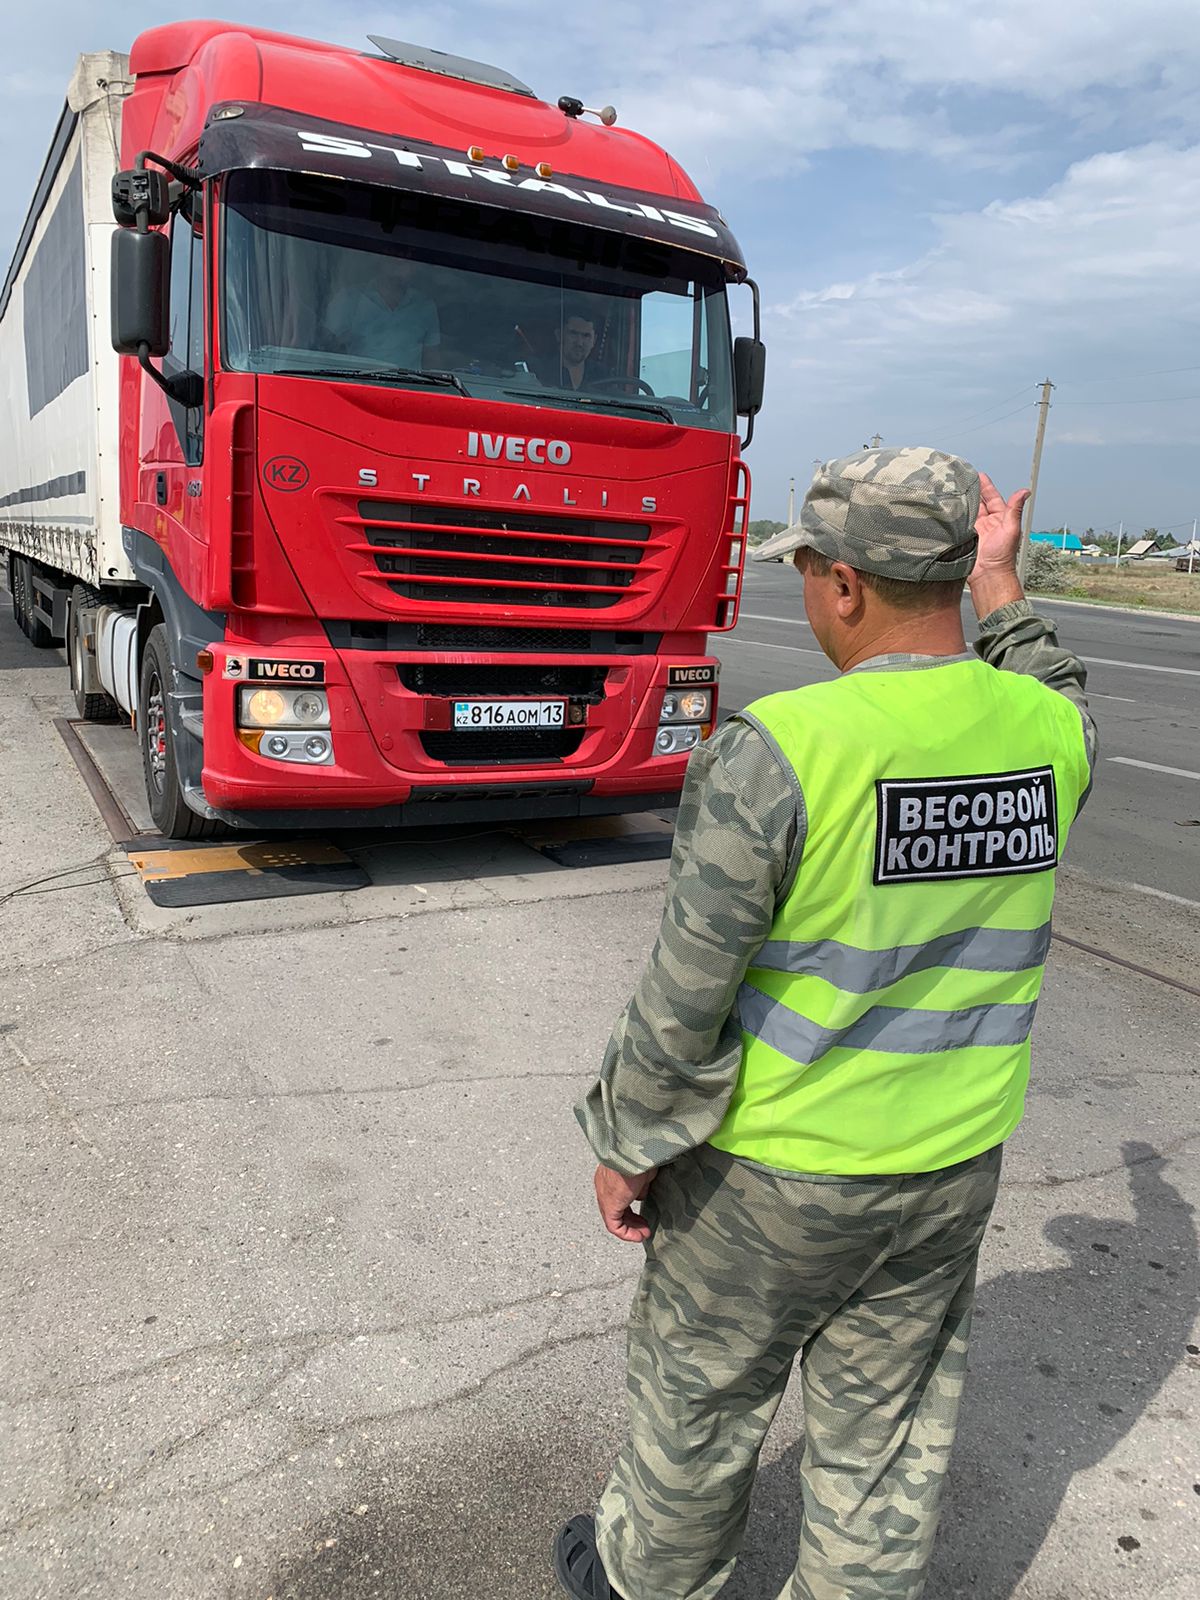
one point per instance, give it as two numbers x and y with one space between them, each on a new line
929 828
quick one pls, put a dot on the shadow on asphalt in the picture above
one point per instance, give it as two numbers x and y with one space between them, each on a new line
1065 1361
1063 1364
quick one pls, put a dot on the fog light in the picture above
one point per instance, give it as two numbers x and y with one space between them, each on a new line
276 745
316 748
675 741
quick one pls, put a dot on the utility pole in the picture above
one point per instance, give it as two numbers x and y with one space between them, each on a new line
791 522
1192 548
1120 536
1043 408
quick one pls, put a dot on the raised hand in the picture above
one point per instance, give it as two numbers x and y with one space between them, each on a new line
994 581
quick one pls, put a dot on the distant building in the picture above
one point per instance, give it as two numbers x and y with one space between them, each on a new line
1071 542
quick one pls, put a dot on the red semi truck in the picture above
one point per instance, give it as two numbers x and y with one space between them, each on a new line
416 487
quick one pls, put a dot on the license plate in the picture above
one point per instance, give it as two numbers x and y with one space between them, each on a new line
510 713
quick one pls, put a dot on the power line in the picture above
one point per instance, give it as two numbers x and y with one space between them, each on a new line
1135 377
1145 400
961 434
1008 400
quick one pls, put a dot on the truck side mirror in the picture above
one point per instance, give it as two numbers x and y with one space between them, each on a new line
142 189
749 375
141 266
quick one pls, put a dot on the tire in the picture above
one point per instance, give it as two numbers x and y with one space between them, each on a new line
172 815
32 626
97 707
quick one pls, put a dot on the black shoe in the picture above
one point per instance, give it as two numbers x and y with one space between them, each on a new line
577 1564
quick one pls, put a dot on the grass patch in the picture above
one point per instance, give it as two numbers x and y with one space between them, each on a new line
1158 591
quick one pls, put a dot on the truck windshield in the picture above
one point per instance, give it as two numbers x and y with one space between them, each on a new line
324 277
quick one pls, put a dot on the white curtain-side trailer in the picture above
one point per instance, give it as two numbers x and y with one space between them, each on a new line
60 527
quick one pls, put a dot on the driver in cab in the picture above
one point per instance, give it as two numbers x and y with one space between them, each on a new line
568 367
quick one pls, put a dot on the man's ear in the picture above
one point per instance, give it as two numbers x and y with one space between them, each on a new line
848 589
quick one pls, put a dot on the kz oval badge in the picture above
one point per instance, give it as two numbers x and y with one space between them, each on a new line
286 473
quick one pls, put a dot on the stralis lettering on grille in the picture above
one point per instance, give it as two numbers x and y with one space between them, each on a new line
1001 823
509 447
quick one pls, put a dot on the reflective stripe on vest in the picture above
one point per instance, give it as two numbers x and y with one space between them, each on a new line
886 1018
981 949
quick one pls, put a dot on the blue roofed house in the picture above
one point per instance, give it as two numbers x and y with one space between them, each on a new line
1071 542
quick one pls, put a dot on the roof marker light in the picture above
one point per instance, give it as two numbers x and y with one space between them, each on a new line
510 163
544 169
475 152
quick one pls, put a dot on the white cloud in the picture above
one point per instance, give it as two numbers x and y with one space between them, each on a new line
1104 264
779 80
1095 282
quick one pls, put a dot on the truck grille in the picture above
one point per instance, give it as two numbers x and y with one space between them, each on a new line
488 557
546 641
480 680
502 747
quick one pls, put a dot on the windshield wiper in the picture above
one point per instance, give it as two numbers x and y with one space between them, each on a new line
447 380
564 397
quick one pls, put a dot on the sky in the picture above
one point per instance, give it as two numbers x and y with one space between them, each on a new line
943 201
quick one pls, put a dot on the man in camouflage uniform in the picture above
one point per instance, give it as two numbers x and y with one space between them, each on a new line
853 1256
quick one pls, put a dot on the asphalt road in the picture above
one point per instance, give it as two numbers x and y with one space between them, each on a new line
1142 822
302 1293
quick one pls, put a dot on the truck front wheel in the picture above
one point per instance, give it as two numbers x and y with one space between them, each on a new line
172 815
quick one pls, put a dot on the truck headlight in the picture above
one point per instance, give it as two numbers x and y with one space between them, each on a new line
282 708
689 705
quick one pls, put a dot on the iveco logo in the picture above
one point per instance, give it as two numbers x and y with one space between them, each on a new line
507 447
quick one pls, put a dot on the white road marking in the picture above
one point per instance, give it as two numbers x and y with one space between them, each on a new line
1153 766
1123 698
757 616
1140 666
755 644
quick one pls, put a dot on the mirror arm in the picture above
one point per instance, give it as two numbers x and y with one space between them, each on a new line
190 177
752 285
181 388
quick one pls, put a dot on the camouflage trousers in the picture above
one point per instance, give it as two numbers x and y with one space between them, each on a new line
870 1282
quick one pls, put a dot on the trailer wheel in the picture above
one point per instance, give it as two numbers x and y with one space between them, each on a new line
173 817
32 626
91 707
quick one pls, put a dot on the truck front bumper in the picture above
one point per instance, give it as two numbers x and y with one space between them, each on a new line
397 761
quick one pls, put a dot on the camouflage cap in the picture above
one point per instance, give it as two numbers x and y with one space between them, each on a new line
907 514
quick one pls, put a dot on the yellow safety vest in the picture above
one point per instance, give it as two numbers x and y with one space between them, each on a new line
886 1019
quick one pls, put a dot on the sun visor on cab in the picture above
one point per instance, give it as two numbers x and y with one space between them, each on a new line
265 137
